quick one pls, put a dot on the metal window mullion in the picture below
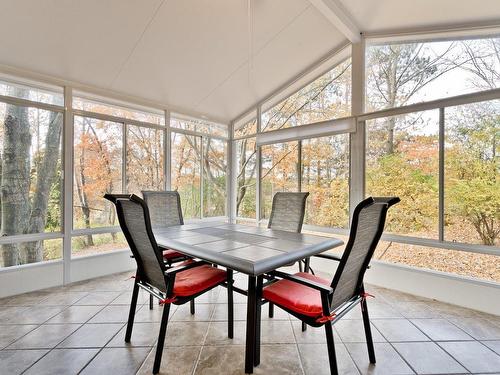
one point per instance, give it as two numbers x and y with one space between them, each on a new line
67 162
202 169
441 172
30 103
233 185
258 161
167 149
299 165
124 157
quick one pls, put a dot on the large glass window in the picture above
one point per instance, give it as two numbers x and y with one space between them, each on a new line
472 173
47 95
31 179
145 168
246 177
97 171
326 98
97 243
402 159
404 73
214 177
185 171
144 115
245 128
199 126
325 175
279 172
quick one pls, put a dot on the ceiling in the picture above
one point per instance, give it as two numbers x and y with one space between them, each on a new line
197 55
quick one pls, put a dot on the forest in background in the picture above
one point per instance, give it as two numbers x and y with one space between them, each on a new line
402 156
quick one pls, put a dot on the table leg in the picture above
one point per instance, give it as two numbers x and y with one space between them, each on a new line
251 321
258 308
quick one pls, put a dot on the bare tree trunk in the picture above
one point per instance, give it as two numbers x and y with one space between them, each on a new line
15 182
33 251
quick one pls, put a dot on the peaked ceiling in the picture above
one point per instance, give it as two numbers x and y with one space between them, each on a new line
197 54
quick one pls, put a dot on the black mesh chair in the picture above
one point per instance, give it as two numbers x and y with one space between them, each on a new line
316 301
287 213
165 211
176 285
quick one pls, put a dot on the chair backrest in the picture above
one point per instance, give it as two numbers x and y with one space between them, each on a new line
134 220
366 229
287 212
164 208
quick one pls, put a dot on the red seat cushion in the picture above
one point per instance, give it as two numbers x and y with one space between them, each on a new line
171 254
197 279
297 297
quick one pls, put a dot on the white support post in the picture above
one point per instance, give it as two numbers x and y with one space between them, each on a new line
68 135
231 176
167 149
258 190
357 139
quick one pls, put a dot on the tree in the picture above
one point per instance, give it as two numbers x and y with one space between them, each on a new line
24 202
398 72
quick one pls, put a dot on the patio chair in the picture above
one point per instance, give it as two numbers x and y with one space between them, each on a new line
165 211
319 302
287 213
176 285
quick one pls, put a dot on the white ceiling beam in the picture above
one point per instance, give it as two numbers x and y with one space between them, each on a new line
335 12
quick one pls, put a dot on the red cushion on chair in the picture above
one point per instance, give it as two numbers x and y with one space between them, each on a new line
197 279
170 254
297 297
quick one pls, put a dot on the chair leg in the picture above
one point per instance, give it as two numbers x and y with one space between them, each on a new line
271 309
191 306
304 327
331 349
151 302
161 338
131 313
368 331
230 308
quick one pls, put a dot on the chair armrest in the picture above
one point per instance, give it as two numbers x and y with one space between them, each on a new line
174 270
329 256
303 281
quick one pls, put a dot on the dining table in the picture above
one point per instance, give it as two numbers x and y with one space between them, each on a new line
251 250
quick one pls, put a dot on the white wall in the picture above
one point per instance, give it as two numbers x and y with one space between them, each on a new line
38 276
458 290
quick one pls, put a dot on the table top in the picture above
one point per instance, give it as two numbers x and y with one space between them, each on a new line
248 249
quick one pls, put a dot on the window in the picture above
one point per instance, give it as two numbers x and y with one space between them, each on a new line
97 171
481 266
127 112
472 173
14 254
279 172
31 179
185 171
214 177
325 175
97 243
246 179
402 159
399 74
47 95
246 127
326 98
145 168
199 126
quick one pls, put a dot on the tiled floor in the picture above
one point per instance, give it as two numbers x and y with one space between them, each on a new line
80 329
